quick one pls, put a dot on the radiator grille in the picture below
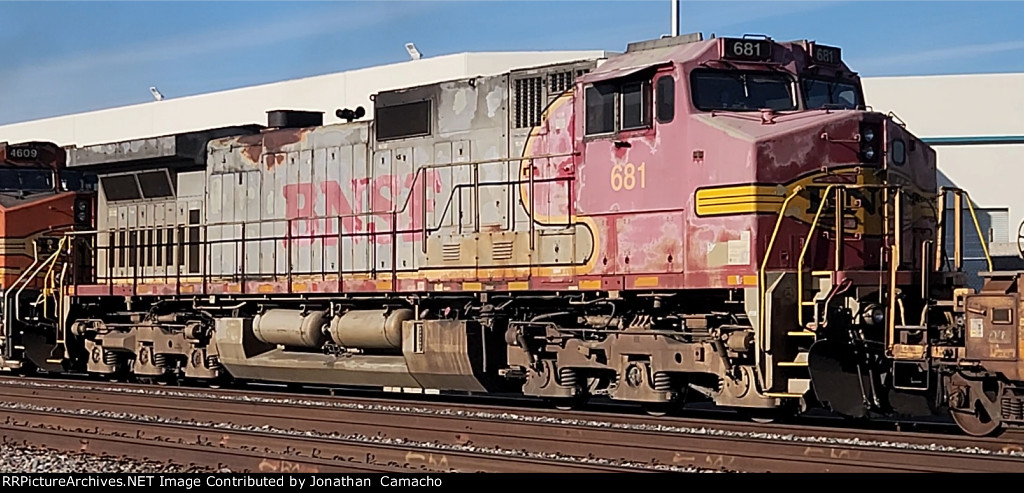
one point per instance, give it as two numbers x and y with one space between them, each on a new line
528 101
563 81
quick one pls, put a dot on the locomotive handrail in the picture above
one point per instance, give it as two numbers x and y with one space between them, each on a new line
895 256
174 271
30 273
422 169
336 216
940 247
764 264
977 227
115 268
771 243
803 253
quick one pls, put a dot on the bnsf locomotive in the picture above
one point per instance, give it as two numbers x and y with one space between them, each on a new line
716 219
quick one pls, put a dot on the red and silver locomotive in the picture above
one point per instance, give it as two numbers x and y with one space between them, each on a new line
715 219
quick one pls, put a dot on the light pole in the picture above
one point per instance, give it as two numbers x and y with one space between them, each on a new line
675 18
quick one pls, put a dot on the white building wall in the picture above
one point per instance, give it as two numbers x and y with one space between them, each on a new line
960 106
249 105
952 105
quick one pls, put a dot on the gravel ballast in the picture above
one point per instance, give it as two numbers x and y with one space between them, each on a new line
27 459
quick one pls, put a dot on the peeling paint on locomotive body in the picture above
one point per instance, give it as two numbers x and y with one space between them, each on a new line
444 205
651 177
286 183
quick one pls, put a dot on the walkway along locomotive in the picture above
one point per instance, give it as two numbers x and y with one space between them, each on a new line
718 219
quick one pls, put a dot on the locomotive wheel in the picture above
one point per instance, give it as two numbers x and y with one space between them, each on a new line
974 405
569 403
976 421
763 416
659 409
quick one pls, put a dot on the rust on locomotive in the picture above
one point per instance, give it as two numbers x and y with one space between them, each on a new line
692 219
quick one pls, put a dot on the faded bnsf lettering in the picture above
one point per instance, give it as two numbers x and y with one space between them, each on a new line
386 193
861 206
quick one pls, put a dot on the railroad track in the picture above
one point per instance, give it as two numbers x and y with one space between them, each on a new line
273 432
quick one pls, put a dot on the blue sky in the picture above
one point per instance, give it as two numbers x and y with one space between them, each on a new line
64 57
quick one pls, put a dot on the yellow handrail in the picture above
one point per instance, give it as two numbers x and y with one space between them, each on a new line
52 260
762 294
49 280
803 253
981 237
895 257
764 264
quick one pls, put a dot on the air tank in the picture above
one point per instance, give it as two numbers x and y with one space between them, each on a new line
370 329
294 328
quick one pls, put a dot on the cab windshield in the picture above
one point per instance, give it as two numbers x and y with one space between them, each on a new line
736 90
73 181
824 93
25 180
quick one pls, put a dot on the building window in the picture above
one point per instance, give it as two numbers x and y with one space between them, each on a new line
665 98
600 103
636 105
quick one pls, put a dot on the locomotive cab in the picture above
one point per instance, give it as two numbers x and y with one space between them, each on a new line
40 202
751 167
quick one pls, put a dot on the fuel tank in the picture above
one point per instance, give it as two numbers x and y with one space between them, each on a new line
370 329
293 328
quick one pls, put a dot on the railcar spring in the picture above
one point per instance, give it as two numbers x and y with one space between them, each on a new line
1013 408
111 358
212 362
160 360
662 381
567 377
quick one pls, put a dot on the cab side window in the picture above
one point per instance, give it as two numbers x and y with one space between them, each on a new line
665 98
600 102
630 104
636 105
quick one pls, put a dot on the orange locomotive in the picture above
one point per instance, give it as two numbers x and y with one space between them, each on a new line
40 201
713 219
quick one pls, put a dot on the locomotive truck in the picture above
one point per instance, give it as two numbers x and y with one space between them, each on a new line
720 219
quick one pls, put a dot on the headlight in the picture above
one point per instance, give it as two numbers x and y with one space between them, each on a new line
870 142
873 315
